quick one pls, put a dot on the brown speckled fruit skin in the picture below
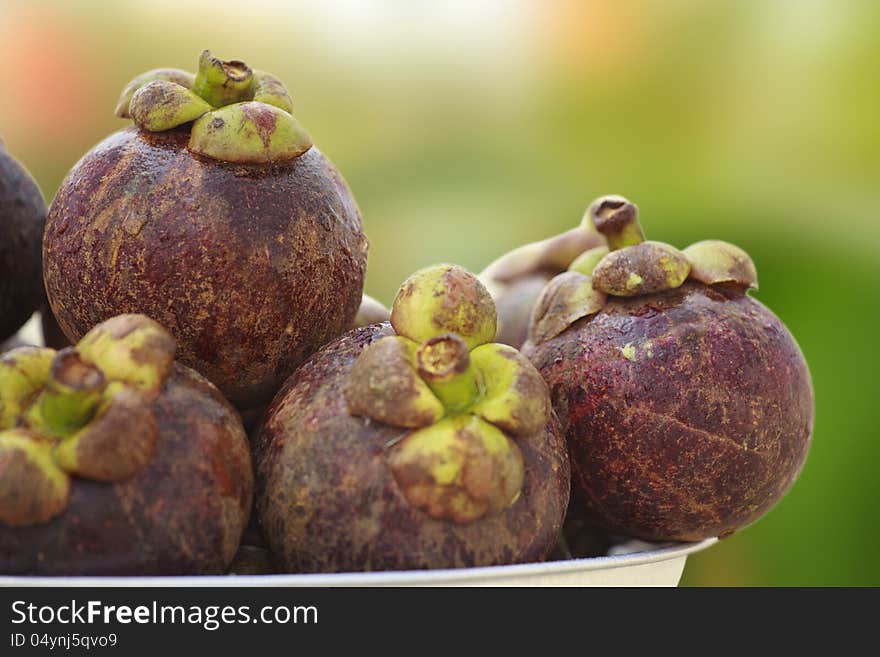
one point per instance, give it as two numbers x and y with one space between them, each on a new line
22 214
251 267
328 502
696 441
183 514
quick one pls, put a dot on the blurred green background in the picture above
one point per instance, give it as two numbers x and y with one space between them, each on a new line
468 128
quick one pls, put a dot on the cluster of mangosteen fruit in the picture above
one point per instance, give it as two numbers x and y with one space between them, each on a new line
220 396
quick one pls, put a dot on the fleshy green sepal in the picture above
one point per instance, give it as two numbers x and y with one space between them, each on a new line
644 268
33 489
384 385
249 132
459 469
116 444
514 396
162 105
183 78
133 349
23 373
444 299
566 299
714 261
270 90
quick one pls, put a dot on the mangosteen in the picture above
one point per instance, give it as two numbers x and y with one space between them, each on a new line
687 405
516 279
216 216
22 214
413 444
115 460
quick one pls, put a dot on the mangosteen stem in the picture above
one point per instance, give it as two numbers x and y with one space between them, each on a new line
70 396
618 220
223 83
444 364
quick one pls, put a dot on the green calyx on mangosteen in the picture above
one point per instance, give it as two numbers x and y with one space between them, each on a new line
515 280
82 411
22 215
238 114
687 405
419 444
98 453
214 215
465 396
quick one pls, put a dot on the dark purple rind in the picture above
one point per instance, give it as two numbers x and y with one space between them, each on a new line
580 539
252 560
22 215
251 267
328 502
53 336
184 514
698 440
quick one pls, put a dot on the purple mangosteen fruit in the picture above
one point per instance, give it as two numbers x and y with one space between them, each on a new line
687 405
215 215
115 460
22 214
413 444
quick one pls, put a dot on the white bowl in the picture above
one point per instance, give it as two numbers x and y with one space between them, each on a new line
660 565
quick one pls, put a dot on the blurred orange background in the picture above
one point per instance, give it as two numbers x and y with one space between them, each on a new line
468 128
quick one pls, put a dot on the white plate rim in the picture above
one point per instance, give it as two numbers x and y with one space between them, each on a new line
498 574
